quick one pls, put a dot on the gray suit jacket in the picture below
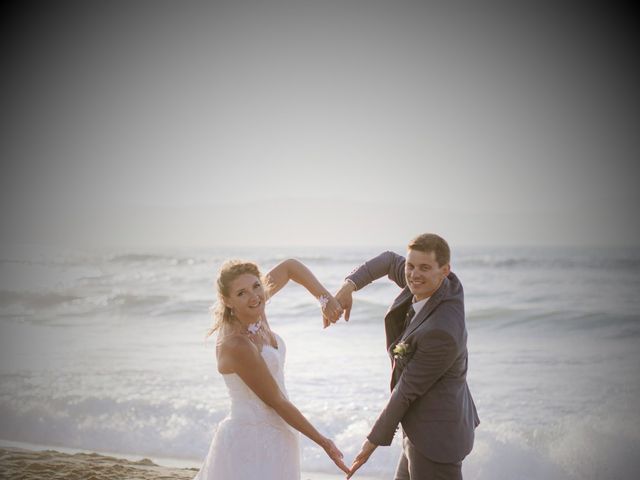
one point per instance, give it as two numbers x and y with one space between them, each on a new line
429 392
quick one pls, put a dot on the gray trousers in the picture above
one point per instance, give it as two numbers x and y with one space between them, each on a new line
415 466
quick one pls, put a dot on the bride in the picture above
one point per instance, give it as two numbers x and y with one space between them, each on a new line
258 439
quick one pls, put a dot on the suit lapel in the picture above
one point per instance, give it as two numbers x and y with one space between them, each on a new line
394 319
404 296
423 314
394 324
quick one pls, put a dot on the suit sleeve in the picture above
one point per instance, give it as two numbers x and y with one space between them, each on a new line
387 263
435 354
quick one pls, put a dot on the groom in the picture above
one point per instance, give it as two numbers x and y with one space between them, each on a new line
427 344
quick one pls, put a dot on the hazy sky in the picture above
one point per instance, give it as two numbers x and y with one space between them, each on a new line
320 123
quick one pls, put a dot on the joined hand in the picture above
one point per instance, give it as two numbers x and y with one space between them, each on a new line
331 311
345 297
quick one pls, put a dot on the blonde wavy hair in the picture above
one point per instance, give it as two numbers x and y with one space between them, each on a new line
229 271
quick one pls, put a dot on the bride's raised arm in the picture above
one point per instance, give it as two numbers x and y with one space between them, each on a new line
292 269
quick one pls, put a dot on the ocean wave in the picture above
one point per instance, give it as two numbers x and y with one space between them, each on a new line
187 307
130 301
626 262
592 446
45 307
110 424
36 300
492 313
148 258
505 318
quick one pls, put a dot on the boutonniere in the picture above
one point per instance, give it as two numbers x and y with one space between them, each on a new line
400 351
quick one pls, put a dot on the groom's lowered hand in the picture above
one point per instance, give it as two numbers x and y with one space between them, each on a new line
365 452
345 297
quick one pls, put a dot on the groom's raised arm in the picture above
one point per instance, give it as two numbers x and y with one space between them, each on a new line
387 263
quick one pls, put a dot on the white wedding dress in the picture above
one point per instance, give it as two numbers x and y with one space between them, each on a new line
253 442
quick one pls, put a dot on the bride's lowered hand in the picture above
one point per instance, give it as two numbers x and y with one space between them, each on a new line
334 454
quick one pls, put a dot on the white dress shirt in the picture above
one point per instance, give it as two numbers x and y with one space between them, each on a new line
417 306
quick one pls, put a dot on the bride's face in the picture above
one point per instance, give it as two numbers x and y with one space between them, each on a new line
246 297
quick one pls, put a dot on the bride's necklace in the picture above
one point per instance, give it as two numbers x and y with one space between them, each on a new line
260 332
255 327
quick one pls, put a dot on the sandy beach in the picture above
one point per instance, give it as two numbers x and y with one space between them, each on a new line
17 463
24 464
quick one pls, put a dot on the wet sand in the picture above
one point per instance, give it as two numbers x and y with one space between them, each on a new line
21 464
24 464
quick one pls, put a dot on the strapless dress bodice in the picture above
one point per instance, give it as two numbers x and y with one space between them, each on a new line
246 406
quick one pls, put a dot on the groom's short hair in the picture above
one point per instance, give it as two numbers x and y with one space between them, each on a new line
430 242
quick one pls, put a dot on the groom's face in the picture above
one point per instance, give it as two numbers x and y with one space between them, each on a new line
423 273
